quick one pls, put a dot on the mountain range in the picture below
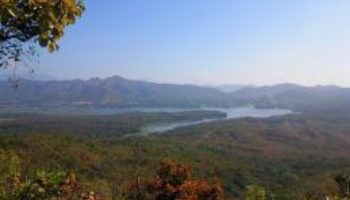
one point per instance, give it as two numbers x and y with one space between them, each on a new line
121 92
113 91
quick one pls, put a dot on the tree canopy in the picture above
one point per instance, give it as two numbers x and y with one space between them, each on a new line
26 23
173 182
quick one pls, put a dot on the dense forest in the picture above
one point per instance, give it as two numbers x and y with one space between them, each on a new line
297 156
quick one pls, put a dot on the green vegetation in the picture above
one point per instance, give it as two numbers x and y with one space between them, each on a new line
173 181
24 23
289 157
94 125
254 192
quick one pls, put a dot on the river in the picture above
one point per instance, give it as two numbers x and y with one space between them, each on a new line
232 113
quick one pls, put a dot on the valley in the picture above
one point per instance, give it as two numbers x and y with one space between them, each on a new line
174 100
282 138
286 154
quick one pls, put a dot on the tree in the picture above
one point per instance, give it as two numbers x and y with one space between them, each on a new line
254 192
343 181
173 182
26 23
46 185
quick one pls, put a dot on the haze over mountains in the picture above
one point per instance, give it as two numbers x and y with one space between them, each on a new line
118 91
228 88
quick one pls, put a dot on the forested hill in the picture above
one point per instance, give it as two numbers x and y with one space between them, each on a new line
117 91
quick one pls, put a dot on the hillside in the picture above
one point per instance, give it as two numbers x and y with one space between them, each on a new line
275 137
288 155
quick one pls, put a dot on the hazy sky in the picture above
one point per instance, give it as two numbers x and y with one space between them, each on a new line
209 42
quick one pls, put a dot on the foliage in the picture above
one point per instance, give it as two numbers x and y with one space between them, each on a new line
254 192
43 186
343 181
46 186
95 125
24 23
106 158
173 182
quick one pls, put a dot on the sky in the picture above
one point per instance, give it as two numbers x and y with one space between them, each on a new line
208 42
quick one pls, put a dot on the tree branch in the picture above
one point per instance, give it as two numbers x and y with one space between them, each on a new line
6 38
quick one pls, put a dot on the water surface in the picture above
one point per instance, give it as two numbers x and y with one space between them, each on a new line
232 113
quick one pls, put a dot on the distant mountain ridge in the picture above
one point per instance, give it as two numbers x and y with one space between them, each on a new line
231 88
121 92
114 91
296 97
